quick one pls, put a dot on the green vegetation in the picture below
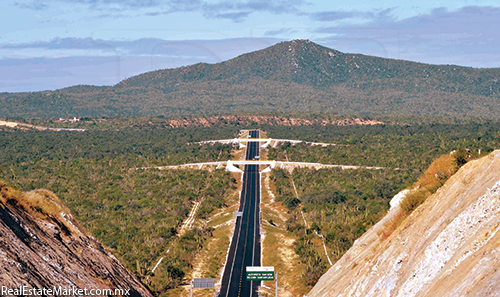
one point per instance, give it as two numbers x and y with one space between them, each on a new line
409 147
297 76
137 212
134 212
342 204
339 204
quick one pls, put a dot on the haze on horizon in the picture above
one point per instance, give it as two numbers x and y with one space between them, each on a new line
53 44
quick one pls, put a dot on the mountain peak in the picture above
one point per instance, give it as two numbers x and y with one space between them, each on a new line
301 46
291 76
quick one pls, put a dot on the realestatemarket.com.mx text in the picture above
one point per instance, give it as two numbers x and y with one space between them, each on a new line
61 291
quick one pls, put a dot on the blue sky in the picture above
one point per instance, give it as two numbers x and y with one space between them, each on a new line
52 44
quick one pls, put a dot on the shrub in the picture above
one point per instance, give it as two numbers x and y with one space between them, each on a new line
325 196
413 199
291 202
432 179
315 226
460 157
438 173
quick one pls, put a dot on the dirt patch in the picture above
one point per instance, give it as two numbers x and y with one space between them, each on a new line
277 246
8 124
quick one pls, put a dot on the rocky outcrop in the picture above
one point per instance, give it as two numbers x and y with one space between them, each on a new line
449 246
267 120
45 249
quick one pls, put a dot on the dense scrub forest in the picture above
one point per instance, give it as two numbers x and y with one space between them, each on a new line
138 212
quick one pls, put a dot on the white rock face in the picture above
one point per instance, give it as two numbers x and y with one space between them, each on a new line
448 243
449 246
396 200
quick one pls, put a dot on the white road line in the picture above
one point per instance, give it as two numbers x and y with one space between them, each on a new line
238 239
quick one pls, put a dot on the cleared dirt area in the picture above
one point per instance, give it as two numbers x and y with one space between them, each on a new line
277 247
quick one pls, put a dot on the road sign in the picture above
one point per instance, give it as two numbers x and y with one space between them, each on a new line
204 283
260 273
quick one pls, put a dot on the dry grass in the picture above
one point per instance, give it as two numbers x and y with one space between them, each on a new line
277 246
45 202
391 226
432 179
437 173
40 203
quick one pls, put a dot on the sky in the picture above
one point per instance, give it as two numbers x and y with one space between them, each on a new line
53 44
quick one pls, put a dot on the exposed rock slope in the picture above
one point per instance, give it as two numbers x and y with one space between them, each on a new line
449 246
41 246
246 120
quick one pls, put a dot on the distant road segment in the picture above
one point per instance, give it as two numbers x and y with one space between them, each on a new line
245 246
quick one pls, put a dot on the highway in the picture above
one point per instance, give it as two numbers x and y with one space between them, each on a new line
245 246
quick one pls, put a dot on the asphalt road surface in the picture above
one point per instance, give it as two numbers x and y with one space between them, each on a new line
245 247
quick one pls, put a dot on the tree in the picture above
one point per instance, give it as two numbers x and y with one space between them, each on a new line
461 156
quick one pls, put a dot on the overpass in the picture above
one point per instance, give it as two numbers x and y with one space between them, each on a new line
264 142
289 166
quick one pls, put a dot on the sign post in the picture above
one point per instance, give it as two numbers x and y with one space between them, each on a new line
276 284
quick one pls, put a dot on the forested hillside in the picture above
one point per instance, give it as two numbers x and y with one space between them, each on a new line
296 76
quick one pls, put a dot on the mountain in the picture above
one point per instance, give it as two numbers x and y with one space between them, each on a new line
42 247
290 77
449 246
